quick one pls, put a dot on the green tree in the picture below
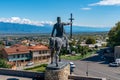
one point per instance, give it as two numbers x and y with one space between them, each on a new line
72 43
90 40
3 64
79 48
1 55
84 50
9 44
73 48
2 45
114 36
96 47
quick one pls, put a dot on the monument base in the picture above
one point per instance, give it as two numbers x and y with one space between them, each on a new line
57 73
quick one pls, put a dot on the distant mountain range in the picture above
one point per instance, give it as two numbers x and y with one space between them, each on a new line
25 28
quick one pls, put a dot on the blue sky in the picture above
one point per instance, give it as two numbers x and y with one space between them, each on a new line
93 13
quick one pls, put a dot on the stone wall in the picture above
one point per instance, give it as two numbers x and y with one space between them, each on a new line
20 73
61 74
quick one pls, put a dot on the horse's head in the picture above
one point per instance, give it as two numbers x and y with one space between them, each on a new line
52 42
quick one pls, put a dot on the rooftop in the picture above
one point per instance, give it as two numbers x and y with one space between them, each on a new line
16 49
38 47
21 49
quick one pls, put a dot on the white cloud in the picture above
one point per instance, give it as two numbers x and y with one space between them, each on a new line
106 3
92 25
25 21
86 8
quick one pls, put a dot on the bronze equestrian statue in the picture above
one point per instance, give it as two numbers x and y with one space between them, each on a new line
59 41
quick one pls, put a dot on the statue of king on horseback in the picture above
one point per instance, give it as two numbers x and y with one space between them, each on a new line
58 41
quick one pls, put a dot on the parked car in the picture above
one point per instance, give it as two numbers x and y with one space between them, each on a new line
72 64
117 60
114 64
30 63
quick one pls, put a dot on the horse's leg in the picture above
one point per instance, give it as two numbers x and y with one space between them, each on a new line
57 56
60 56
52 52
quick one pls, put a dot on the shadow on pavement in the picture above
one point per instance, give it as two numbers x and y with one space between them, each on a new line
95 58
12 79
104 62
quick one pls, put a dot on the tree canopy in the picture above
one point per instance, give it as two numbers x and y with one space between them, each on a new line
2 45
3 64
114 35
90 40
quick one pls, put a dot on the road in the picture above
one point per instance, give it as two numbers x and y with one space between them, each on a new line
6 77
97 68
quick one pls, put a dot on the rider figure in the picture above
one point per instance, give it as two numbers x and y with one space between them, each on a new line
60 32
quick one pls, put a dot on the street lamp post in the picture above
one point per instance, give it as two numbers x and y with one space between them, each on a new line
87 69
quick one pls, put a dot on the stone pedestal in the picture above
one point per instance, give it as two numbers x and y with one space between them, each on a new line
57 73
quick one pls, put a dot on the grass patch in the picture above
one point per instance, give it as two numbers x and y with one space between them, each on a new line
40 68
76 57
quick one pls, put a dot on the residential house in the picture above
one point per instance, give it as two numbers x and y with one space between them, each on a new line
40 53
18 54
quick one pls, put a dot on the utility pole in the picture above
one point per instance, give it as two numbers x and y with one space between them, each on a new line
87 70
71 20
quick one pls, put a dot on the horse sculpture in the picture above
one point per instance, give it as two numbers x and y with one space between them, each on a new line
56 44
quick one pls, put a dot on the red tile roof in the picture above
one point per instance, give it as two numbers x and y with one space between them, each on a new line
20 49
38 47
16 50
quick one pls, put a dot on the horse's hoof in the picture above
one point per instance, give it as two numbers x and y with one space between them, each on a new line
56 65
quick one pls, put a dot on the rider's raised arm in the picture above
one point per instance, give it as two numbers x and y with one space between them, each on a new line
53 31
67 23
